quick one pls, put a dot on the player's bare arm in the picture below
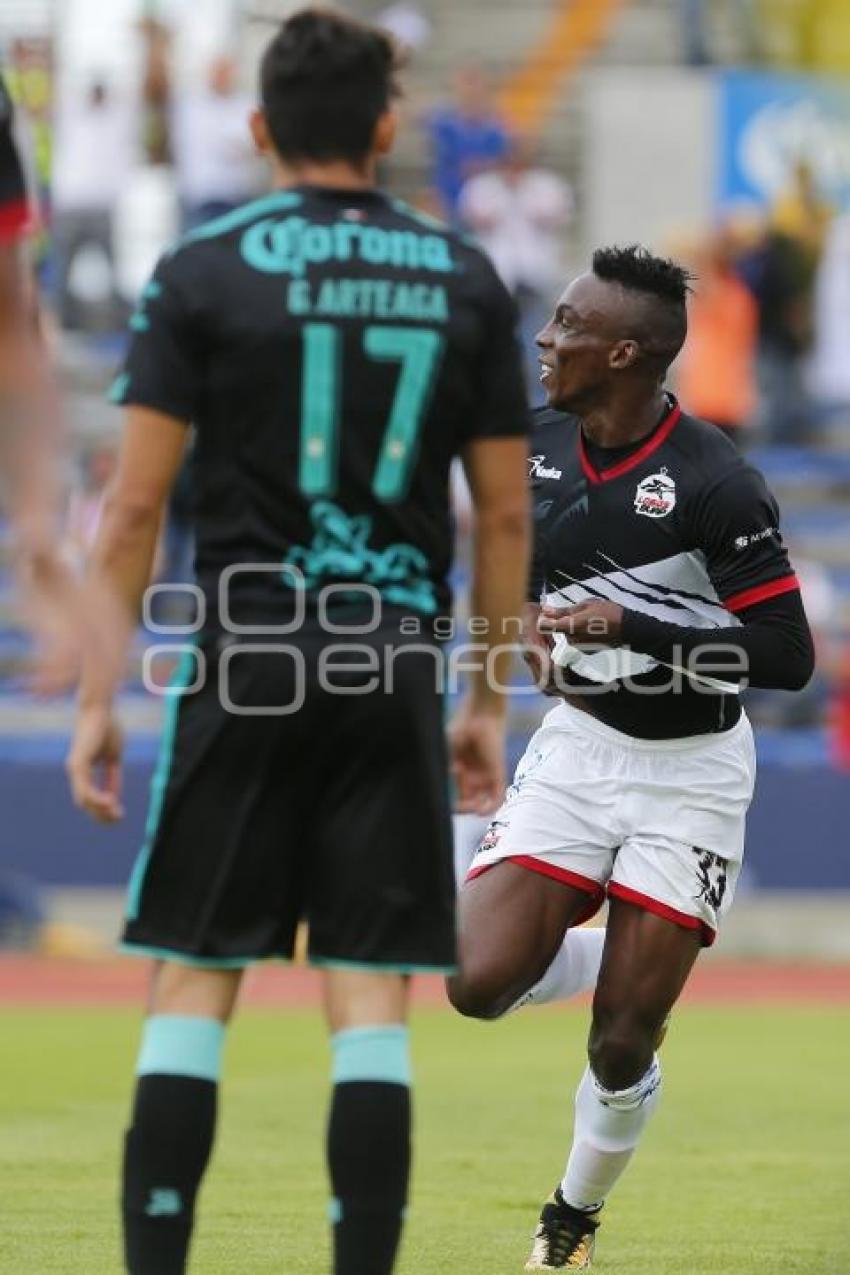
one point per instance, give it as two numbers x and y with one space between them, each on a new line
121 564
29 412
495 471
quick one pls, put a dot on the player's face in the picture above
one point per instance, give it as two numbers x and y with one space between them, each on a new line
577 345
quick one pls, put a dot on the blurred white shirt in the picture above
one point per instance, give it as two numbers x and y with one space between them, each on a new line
830 363
213 151
96 149
519 222
406 21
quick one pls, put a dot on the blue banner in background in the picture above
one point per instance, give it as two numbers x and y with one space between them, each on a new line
796 832
769 123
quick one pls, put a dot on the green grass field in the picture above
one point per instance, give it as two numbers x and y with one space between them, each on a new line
745 1171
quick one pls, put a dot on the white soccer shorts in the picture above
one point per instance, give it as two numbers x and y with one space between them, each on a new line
659 823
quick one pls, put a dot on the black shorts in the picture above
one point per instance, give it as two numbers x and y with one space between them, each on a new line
335 812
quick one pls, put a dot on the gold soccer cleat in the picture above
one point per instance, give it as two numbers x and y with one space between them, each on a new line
564 1239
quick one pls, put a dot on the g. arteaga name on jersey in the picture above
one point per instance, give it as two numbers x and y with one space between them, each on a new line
369 299
291 245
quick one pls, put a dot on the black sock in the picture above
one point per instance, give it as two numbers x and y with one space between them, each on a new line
165 1154
369 1162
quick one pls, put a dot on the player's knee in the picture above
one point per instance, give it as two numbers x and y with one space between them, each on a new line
185 990
620 1050
475 995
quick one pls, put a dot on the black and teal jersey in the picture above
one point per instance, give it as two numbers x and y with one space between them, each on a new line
334 351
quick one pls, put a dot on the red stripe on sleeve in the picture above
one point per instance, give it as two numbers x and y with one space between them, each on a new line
761 593
15 219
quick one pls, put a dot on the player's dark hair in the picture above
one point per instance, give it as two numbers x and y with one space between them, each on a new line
662 287
636 268
325 80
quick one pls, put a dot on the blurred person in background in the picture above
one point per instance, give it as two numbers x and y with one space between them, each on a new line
831 354
803 214
696 38
216 165
782 271
94 156
519 212
407 23
30 81
716 369
466 136
156 90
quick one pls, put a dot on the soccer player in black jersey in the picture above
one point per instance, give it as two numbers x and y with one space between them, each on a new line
334 352
660 587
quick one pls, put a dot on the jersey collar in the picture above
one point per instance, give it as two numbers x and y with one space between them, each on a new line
659 435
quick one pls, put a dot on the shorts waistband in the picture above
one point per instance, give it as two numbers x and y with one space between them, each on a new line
589 725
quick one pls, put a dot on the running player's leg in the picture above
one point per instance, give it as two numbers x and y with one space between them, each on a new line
575 967
368 1140
512 922
645 965
172 1126
540 869
573 970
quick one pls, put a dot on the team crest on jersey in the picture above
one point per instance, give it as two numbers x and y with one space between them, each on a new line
656 495
492 836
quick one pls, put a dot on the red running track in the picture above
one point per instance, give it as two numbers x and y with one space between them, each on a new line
27 981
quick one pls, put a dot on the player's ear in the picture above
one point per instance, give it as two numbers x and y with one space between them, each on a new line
260 132
385 132
624 355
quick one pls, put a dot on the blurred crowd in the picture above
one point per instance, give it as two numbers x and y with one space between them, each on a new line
765 357
134 166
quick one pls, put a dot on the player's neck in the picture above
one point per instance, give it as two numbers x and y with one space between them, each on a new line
334 175
627 419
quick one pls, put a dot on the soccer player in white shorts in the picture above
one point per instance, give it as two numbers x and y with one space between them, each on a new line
660 586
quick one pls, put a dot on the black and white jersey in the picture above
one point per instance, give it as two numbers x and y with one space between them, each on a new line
14 206
335 351
677 527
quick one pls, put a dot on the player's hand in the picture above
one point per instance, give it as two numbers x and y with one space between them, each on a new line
477 749
596 623
94 764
